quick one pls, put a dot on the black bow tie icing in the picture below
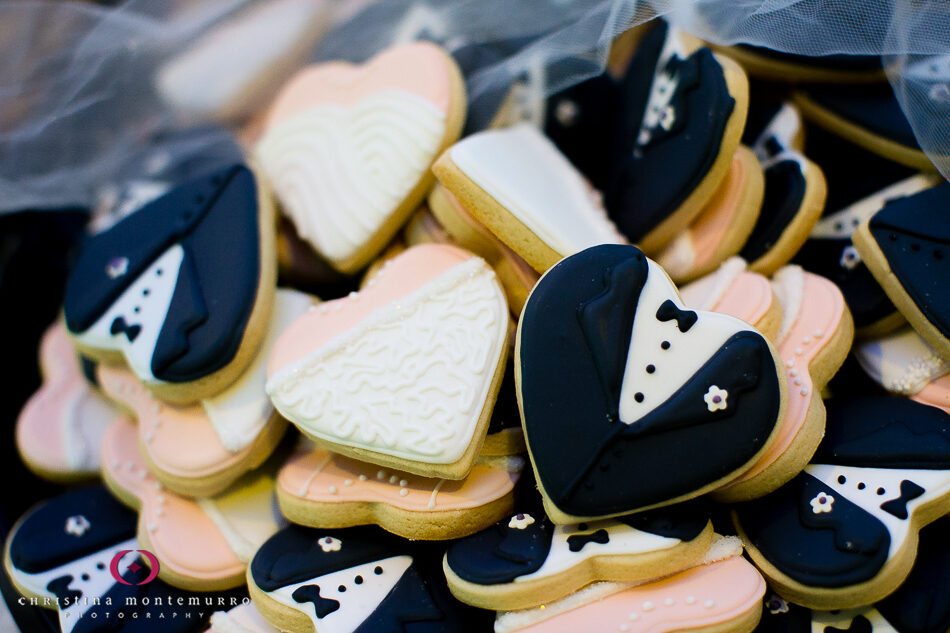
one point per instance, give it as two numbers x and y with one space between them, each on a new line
119 326
637 380
848 516
577 542
311 593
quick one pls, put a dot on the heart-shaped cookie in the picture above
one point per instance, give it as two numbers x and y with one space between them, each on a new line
59 430
618 380
321 489
201 544
403 373
347 148
843 533
182 289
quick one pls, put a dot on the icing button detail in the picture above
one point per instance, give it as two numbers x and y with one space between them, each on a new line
648 606
822 503
669 602
403 492
77 525
117 267
716 398
330 544
690 599
709 604
520 521
776 605
850 258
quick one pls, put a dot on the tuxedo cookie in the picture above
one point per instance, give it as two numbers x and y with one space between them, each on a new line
77 554
404 373
814 341
843 533
723 595
525 560
357 580
59 430
218 77
637 379
200 544
348 148
517 277
517 183
869 116
182 289
905 246
723 226
795 192
683 106
830 252
919 605
735 291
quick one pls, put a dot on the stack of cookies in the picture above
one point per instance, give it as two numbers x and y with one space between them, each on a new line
561 363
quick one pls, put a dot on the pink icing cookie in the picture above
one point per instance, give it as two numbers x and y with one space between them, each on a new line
201 544
322 489
723 597
936 394
347 148
403 374
815 337
59 431
724 224
199 450
737 292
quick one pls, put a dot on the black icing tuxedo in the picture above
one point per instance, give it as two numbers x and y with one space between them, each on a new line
418 603
216 220
575 337
846 544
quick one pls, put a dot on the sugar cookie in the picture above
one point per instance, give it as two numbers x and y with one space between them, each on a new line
348 148
181 289
637 378
403 374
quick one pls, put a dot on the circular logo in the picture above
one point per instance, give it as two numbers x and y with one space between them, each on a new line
134 567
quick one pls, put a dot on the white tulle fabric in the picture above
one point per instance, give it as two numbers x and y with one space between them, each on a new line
77 95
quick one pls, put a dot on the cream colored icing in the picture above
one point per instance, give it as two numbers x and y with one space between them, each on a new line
406 377
223 74
182 536
341 171
241 619
694 247
691 600
246 514
815 318
642 392
60 427
709 290
527 175
239 413
902 362
321 476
